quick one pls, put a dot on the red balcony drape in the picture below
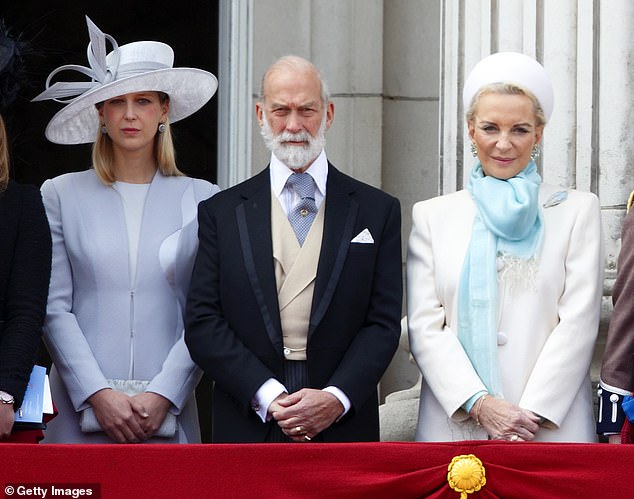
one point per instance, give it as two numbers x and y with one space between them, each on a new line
364 470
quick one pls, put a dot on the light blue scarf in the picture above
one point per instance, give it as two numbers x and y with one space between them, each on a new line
508 223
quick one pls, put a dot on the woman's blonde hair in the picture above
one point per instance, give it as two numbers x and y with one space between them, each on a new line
4 156
506 89
103 153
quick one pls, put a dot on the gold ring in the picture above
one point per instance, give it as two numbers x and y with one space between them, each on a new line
307 438
515 438
298 429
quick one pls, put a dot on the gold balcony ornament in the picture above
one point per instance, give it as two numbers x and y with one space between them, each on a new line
466 474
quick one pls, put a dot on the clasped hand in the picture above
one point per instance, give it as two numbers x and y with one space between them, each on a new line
127 419
305 413
503 420
7 416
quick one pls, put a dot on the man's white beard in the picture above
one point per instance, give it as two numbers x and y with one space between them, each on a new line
294 156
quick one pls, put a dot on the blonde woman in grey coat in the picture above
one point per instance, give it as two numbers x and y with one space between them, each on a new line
124 240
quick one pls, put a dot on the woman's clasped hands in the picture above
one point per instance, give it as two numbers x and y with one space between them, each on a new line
129 419
503 420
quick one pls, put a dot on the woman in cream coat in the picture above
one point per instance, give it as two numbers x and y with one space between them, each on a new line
532 383
124 241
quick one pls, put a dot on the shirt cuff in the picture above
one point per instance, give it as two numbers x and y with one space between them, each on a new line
610 417
342 397
266 394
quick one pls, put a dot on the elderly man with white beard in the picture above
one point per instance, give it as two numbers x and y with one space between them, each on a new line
295 300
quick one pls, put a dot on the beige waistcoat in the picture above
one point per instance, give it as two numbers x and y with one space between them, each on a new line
295 272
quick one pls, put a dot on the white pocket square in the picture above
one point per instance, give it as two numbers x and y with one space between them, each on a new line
363 237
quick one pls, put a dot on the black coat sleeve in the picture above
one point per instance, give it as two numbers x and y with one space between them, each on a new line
26 271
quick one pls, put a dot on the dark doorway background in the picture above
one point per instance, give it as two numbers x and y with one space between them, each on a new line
57 35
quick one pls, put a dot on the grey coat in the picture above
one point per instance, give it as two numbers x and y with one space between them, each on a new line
101 325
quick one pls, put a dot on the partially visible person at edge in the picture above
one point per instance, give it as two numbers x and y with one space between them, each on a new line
25 261
504 278
616 406
124 241
295 302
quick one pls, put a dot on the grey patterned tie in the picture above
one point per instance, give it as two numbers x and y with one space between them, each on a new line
303 213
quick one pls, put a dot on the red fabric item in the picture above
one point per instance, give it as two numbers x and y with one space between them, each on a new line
363 470
627 432
24 437
30 436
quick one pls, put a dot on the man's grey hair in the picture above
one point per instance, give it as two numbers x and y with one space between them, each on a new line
298 64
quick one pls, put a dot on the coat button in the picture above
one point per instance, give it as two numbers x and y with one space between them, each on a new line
502 338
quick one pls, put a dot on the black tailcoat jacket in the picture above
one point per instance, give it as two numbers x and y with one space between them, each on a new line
233 328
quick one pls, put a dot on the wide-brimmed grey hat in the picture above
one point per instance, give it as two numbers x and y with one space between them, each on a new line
134 67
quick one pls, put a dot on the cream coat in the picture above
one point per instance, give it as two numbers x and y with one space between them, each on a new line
101 325
546 335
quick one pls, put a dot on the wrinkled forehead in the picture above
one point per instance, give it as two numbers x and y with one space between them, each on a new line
292 85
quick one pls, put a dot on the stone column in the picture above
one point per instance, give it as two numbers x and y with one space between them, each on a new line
234 91
411 72
613 136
